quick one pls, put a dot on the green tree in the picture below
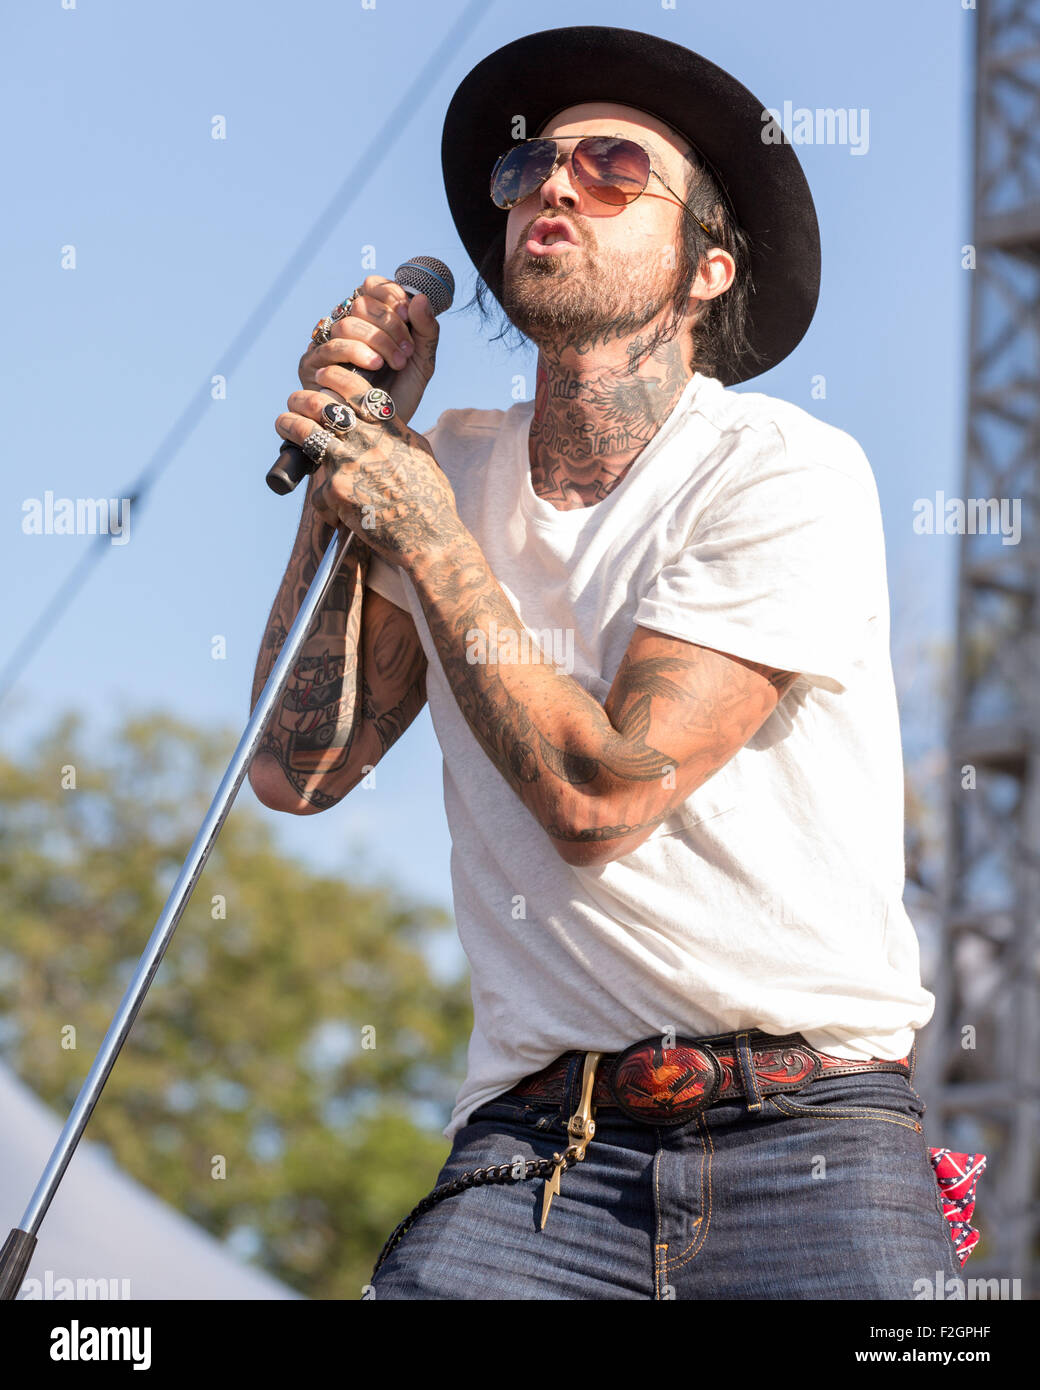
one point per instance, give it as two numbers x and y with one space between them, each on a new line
294 1027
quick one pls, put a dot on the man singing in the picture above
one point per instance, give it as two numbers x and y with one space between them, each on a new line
650 615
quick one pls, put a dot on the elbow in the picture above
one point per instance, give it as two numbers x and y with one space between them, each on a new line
582 854
588 853
579 844
596 833
272 790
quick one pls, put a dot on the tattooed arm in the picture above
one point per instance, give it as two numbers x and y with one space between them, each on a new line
358 683
599 779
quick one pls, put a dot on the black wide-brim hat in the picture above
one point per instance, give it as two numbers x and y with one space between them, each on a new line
542 74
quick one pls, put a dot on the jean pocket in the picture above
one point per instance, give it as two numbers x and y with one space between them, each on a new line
518 1110
884 1096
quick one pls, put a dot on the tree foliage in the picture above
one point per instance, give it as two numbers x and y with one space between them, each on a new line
294 1028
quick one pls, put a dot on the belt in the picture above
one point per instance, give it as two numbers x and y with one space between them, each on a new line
667 1080
662 1081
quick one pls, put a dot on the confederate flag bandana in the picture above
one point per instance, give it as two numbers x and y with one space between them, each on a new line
957 1175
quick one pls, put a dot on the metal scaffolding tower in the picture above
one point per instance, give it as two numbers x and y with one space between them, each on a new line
980 1057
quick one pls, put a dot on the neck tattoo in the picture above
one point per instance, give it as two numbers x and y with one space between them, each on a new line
591 422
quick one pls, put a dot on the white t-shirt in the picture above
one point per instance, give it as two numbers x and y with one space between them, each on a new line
773 898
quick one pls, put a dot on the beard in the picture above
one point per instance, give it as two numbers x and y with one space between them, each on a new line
586 295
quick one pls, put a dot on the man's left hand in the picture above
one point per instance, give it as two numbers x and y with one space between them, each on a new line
381 480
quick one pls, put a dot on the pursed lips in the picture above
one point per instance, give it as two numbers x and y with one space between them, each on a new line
549 236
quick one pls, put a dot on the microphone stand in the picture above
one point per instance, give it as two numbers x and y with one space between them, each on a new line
19 1246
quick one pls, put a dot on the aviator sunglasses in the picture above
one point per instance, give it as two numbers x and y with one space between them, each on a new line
612 169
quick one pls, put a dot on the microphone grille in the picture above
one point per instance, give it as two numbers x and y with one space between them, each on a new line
428 276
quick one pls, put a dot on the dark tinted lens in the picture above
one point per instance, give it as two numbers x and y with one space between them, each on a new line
520 171
613 170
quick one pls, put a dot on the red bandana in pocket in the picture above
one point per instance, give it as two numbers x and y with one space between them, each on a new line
957 1175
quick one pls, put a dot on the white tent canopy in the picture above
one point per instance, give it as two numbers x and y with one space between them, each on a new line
105 1235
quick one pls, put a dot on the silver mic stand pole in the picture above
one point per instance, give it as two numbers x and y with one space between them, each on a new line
420 275
19 1246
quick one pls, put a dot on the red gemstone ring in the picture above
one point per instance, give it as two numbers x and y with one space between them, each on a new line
378 406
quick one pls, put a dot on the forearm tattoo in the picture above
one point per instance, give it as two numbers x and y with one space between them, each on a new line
397 663
542 730
311 730
547 735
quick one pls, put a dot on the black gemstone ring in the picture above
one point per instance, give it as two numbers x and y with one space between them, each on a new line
340 419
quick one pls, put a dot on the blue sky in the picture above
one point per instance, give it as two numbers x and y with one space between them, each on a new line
108 109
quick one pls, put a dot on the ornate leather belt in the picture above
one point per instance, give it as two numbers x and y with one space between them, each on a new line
667 1085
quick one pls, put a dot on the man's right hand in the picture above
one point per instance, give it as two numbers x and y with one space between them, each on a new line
383 321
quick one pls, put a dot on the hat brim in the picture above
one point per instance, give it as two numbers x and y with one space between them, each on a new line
541 74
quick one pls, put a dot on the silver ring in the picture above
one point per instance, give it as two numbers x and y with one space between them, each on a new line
340 419
316 445
322 332
323 328
378 406
342 310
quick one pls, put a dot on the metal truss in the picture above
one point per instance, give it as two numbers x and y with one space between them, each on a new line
980 1056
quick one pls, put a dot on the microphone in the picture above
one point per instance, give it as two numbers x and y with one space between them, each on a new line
420 275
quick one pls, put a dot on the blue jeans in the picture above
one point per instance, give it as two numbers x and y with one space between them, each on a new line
825 1193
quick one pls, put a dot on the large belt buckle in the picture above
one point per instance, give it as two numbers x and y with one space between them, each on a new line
664 1085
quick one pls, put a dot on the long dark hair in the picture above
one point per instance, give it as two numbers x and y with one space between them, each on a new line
720 342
